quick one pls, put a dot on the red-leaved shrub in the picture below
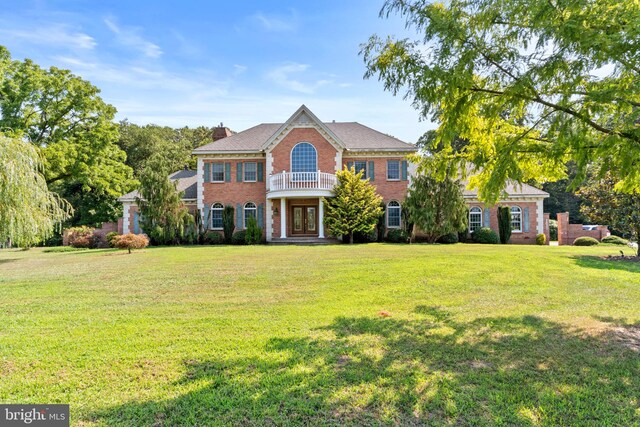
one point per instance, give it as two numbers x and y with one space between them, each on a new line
130 241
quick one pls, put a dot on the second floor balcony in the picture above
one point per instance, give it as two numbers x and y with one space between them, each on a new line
301 183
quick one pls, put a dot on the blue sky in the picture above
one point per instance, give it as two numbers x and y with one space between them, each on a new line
202 63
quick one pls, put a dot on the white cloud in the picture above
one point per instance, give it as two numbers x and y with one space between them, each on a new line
276 22
281 77
130 37
58 35
239 69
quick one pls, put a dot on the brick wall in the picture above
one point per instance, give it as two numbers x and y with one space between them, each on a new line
234 192
567 233
282 152
516 237
389 190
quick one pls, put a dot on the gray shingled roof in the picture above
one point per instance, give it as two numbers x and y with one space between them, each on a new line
513 189
186 181
353 135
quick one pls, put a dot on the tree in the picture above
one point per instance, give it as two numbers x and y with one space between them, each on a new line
65 118
228 223
355 207
28 210
436 207
530 85
140 142
164 218
504 223
605 205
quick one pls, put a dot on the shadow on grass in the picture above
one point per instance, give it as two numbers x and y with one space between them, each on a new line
8 260
431 370
591 261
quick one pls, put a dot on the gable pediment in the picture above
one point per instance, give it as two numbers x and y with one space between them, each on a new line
303 118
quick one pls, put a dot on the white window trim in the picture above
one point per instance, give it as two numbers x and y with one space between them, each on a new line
244 213
291 155
244 172
224 174
476 213
521 220
211 227
399 207
399 171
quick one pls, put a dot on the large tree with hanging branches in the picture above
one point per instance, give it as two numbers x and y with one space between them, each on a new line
29 212
528 84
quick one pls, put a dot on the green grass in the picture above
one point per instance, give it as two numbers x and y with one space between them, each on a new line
478 335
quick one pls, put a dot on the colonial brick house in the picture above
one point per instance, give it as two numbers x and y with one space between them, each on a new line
279 173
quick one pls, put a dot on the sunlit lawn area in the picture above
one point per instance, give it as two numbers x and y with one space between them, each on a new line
477 335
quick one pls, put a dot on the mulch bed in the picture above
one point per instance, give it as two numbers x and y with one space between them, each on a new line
621 258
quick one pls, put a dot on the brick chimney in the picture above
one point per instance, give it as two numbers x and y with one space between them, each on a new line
221 131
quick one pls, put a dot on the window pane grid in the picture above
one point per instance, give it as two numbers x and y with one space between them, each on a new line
361 165
217 172
393 170
516 219
475 219
304 158
393 214
251 171
249 211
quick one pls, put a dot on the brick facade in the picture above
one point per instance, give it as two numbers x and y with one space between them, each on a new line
567 233
524 237
281 153
389 190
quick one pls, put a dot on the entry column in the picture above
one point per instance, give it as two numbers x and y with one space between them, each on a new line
321 220
283 218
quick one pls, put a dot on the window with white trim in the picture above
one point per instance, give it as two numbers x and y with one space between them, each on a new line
250 172
393 214
516 219
216 216
217 172
475 219
250 210
361 165
393 170
304 162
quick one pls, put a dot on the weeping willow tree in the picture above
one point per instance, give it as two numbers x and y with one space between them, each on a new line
29 212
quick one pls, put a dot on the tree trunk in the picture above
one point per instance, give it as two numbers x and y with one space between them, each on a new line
638 242
351 238
129 250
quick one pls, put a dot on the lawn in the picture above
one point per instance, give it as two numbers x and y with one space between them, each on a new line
477 335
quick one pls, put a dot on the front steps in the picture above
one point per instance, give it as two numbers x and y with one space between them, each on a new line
303 241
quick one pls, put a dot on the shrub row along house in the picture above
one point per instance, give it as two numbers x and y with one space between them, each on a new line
279 174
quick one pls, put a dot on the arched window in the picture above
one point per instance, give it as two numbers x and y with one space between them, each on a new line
250 210
516 218
393 214
475 219
304 162
216 216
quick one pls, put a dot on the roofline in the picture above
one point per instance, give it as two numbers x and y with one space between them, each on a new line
196 152
319 122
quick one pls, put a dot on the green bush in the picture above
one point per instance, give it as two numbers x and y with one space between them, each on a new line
585 241
109 238
227 223
397 235
504 223
553 230
448 239
541 239
359 237
239 237
253 235
485 235
615 240
213 238
56 249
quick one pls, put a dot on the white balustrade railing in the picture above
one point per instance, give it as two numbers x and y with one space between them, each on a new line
302 181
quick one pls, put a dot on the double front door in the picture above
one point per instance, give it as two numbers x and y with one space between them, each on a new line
305 220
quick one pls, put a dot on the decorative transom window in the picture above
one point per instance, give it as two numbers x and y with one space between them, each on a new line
250 172
393 170
475 219
361 165
217 172
304 162
250 210
393 214
516 218
216 216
